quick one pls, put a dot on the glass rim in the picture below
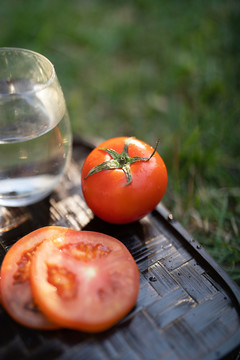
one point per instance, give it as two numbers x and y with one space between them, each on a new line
41 87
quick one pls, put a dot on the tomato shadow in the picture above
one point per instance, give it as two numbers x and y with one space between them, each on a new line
123 232
16 222
40 213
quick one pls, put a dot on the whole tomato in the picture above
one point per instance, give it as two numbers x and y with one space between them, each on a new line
123 179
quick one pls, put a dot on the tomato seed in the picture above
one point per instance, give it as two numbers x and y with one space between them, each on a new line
22 273
85 252
64 281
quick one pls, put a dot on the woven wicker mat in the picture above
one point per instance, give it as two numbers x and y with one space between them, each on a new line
188 308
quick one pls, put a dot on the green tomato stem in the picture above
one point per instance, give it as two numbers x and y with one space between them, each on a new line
120 161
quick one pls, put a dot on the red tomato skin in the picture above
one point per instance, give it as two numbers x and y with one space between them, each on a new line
87 312
106 192
17 295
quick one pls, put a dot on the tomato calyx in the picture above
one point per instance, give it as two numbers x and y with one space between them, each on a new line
120 161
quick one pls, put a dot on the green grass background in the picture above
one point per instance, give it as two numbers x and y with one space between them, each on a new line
153 69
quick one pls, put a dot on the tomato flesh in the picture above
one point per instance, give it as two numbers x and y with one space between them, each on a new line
84 280
16 294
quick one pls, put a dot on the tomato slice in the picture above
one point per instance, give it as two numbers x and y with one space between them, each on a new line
16 294
84 280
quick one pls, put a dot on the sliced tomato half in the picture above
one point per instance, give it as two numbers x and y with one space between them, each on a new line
84 280
16 294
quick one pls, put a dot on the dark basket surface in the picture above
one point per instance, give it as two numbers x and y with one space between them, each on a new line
188 307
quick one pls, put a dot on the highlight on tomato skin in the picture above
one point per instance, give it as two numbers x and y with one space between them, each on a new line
123 179
15 289
85 280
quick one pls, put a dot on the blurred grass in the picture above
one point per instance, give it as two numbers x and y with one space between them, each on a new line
153 69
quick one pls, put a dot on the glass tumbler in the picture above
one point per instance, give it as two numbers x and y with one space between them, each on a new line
35 134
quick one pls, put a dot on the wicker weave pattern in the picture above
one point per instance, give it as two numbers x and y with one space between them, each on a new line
183 312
